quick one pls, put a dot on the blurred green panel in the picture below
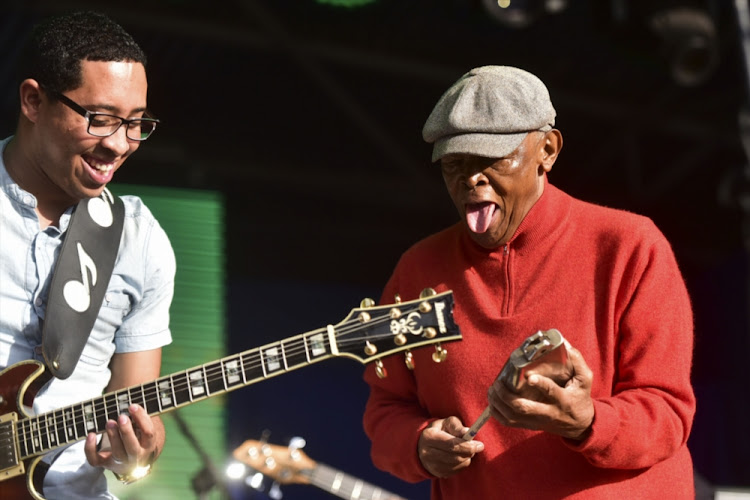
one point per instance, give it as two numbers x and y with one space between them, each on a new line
194 222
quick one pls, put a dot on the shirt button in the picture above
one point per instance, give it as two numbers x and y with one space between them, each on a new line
27 199
38 301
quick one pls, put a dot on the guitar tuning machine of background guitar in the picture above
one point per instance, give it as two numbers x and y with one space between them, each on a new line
296 443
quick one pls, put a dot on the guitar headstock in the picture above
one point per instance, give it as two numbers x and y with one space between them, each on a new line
282 464
372 332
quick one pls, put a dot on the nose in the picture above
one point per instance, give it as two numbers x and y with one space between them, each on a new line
118 142
475 178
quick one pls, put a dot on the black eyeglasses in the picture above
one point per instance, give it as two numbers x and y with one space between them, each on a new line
104 125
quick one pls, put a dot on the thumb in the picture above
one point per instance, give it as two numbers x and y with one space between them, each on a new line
454 427
580 368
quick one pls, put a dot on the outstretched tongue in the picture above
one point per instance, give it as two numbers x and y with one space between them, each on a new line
479 216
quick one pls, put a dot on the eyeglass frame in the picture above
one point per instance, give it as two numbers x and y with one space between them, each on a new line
88 115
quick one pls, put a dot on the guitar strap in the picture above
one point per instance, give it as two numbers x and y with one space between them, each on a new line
80 278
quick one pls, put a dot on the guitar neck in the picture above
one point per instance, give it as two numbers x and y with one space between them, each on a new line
40 434
345 486
367 334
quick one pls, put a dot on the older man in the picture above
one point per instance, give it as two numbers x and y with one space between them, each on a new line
528 257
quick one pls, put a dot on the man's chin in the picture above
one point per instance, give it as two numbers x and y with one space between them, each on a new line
486 240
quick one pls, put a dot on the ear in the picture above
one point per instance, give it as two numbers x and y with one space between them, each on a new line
30 94
548 153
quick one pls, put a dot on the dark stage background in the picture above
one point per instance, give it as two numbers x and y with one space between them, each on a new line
306 116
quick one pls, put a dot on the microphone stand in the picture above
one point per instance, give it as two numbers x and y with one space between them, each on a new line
208 477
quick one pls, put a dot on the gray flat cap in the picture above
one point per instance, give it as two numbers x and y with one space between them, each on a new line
488 112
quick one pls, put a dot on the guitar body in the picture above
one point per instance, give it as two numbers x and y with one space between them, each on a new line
19 384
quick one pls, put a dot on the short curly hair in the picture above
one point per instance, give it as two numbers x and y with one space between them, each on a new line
55 48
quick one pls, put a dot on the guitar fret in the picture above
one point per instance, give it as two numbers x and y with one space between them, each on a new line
245 380
271 362
100 414
69 429
151 398
24 440
231 372
134 396
357 490
122 399
215 384
111 408
283 355
196 384
59 416
42 430
84 424
24 437
254 367
166 394
50 430
296 356
34 434
262 364
181 388
316 347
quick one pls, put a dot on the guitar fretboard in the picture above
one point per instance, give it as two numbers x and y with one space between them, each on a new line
345 486
42 433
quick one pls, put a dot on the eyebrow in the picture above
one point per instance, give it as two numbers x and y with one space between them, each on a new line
111 109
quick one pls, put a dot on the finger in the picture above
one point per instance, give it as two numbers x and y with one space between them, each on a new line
89 448
144 426
129 439
441 462
545 386
118 450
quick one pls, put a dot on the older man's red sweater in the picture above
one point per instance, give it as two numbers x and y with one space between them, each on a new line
605 278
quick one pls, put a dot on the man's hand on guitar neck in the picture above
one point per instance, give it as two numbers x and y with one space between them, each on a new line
133 442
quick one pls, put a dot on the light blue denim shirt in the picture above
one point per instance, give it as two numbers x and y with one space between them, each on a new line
134 315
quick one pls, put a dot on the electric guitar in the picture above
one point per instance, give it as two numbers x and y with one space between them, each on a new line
291 466
367 334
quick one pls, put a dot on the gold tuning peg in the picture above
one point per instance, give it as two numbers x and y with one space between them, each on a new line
399 339
440 354
367 302
364 317
427 292
409 360
370 349
397 299
380 369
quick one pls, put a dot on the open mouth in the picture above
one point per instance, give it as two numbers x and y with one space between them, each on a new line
101 167
100 172
479 216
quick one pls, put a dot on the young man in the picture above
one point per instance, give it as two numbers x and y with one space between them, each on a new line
82 114
527 257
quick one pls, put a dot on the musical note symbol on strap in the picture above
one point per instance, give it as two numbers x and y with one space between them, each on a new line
78 293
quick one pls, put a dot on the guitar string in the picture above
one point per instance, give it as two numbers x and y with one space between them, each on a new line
30 433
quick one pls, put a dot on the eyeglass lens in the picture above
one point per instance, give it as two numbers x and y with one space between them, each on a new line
105 125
